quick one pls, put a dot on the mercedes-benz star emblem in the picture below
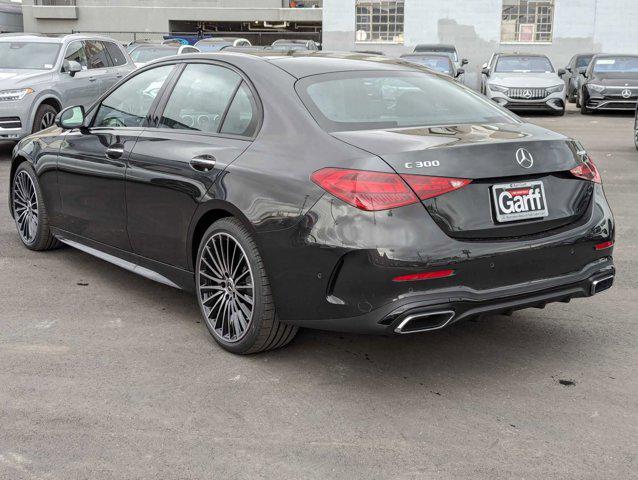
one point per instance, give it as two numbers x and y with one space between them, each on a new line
524 158
527 94
626 93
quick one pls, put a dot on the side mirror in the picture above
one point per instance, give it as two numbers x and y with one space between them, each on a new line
486 71
585 74
561 72
70 117
71 67
464 61
460 72
568 69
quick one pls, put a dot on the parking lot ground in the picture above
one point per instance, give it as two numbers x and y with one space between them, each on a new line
107 375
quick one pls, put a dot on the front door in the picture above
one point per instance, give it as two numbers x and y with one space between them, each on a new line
204 125
92 161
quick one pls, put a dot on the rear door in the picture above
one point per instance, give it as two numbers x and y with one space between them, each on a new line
99 65
204 123
119 64
83 87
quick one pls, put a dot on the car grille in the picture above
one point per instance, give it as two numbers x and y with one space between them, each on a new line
10 122
527 93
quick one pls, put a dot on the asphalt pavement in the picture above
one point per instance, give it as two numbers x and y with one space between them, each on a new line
107 375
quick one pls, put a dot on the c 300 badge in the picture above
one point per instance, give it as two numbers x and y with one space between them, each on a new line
426 164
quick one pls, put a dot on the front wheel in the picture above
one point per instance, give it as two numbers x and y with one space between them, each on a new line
44 117
636 138
234 293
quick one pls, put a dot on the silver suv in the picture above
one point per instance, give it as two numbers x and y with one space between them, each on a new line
40 75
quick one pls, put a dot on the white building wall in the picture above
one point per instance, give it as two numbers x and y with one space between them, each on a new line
474 26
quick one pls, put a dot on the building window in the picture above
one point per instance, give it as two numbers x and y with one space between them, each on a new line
527 21
379 21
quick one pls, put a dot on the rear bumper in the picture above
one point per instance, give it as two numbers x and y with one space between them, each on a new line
436 310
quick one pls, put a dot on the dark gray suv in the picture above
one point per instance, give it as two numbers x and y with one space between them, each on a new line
40 75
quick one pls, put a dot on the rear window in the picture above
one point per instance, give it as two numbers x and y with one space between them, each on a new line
524 64
436 63
147 54
367 100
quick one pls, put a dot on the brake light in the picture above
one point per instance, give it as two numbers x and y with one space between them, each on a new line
424 276
374 191
587 171
429 187
604 245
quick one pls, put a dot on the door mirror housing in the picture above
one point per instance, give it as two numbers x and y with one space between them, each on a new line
464 61
72 67
561 72
70 117
485 71
568 69
460 72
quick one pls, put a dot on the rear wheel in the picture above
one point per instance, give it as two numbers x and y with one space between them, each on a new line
636 138
29 210
234 292
44 117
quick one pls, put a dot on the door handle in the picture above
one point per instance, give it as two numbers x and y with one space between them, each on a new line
115 151
203 163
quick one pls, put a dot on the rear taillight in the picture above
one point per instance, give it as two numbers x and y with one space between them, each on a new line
374 191
587 171
604 245
413 277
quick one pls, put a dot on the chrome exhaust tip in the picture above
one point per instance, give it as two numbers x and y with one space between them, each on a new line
601 284
425 322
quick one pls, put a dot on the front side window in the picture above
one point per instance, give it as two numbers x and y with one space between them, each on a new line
96 54
129 104
381 100
75 52
116 54
527 21
200 98
379 21
583 62
523 64
28 55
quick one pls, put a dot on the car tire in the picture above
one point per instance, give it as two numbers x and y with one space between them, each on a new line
238 322
571 96
559 113
44 117
29 210
584 110
636 139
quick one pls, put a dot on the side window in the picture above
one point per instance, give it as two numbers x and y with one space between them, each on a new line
96 54
200 98
75 52
128 105
242 117
116 54
189 50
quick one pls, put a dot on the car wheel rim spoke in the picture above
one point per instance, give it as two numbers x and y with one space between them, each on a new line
47 120
25 206
226 287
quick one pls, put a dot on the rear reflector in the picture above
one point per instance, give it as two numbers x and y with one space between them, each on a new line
587 171
424 276
374 191
604 245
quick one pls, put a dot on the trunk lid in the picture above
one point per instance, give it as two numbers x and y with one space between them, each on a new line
489 155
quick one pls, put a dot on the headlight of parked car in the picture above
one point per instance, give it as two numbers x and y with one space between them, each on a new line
556 88
17 94
498 88
596 88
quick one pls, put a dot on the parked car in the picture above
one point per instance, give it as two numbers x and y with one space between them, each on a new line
322 191
610 83
438 63
40 75
524 83
294 45
636 128
145 53
216 44
574 74
135 43
439 48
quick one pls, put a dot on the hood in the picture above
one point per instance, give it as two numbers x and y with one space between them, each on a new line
525 80
616 79
467 151
16 78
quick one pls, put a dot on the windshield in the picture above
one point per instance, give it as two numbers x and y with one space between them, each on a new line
146 54
28 55
616 65
285 47
434 49
436 63
369 100
524 65
583 62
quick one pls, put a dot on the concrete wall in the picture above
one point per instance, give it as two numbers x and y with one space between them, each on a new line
10 17
474 26
154 15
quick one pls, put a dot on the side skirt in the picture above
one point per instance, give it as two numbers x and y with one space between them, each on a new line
147 268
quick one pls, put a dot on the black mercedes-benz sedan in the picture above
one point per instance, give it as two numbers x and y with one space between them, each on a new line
330 191
611 83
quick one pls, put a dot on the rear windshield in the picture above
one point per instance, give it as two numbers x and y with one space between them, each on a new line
366 100
524 65
146 54
436 63
28 55
616 65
